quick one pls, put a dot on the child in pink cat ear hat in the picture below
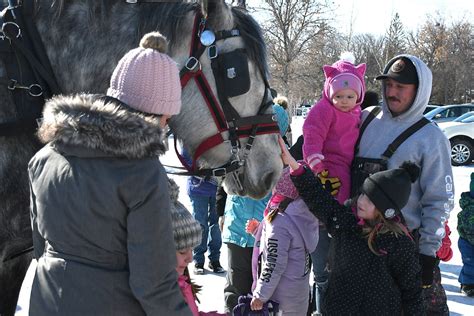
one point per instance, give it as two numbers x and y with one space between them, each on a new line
332 127
330 132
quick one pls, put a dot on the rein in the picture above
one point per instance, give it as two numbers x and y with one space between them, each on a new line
30 78
225 116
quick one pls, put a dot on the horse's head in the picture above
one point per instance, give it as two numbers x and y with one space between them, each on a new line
226 93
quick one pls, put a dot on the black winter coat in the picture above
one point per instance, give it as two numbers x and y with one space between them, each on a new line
362 283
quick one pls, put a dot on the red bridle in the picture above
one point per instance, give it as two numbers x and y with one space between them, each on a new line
223 113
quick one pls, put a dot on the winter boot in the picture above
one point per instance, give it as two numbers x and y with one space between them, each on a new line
467 289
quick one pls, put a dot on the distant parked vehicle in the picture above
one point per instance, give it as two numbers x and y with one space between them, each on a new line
448 113
463 117
431 107
458 119
461 137
303 110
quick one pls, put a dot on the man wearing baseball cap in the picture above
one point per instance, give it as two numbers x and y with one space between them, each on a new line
406 88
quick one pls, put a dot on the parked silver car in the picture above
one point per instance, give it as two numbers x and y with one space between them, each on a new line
461 137
431 107
448 113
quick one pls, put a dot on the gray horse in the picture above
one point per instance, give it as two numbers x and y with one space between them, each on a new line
84 39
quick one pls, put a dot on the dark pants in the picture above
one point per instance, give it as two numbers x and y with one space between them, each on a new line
434 298
239 275
204 211
467 254
321 270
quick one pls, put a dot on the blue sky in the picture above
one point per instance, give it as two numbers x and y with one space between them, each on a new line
372 16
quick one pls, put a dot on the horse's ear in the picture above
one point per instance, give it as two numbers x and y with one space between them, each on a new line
216 8
204 7
239 3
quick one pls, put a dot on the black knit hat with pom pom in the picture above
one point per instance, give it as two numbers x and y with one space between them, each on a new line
389 190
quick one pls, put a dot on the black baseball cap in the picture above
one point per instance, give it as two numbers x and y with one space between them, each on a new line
401 70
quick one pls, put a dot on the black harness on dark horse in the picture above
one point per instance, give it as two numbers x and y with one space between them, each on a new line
30 78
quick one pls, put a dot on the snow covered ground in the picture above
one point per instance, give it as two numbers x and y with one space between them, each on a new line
212 297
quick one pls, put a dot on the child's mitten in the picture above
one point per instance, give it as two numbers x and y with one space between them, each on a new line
330 184
427 269
251 226
445 252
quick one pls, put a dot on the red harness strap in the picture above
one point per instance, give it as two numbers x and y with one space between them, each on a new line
192 70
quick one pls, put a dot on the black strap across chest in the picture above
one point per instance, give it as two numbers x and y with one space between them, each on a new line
404 136
30 77
400 138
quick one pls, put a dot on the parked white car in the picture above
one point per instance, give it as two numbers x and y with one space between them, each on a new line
461 137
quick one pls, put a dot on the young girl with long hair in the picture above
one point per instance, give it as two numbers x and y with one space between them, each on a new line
374 267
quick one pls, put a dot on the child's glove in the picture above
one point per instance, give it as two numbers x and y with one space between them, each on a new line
427 269
330 184
251 226
445 252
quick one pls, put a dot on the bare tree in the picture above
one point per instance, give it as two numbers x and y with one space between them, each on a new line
430 44
395 39
301 39
291 27
448 52
369 49
460 49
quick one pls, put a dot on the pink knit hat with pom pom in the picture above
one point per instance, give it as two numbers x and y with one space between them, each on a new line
343 74
285 186
147 79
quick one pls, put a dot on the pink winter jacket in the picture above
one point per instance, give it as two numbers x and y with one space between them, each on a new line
333 134
330 134
189 298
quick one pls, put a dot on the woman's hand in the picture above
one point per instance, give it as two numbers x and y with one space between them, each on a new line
286 157
256 304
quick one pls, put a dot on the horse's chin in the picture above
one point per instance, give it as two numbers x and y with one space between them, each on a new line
256 190
233 189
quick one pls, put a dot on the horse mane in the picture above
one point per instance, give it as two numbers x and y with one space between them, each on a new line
172 20
253 37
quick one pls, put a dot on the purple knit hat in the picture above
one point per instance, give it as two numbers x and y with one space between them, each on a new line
345 81
147 79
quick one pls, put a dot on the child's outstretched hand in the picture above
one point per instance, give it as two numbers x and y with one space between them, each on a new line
251 226
286 157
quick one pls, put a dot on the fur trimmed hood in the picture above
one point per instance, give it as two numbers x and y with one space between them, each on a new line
88 123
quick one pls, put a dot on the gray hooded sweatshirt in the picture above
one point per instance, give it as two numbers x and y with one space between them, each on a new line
432 195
